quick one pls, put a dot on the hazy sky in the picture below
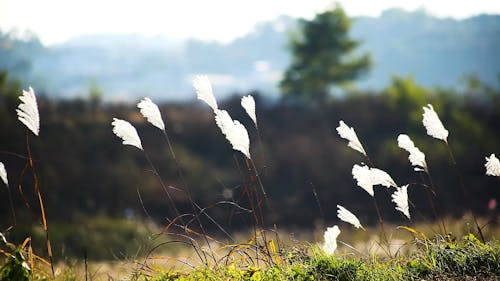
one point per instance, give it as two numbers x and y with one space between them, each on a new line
55 21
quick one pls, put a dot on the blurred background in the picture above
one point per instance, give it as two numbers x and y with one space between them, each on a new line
309 64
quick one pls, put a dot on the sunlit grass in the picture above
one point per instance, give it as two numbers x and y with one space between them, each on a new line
297 256
184 249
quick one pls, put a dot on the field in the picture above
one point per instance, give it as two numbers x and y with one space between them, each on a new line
360 256
184 248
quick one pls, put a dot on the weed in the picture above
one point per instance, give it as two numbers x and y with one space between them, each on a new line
262 257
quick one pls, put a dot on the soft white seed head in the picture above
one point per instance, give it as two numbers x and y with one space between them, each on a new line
330 236
3 174
492 166
345 215
362 175
126 132
381 177
204 91
234 131
248 103
433 124
367 177
151 112
416 157
400 197
27 111
349 134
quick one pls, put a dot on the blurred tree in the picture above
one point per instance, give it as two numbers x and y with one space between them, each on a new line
95 97
407 98
95 92
321 57
9 91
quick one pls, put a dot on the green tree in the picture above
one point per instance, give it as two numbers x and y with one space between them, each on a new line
322 57
407 98
10 89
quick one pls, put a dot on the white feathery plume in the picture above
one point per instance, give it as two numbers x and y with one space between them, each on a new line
347 216
248 103
368 177
362 176
3 174
400 197
381 177
433 124
492 166
27 111
330 237
234 131
126 132
151 112
349 134
204 92
2 238
416 157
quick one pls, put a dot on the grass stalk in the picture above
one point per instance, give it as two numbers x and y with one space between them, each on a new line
12 210
431 201
316 197
381 224
42 207
464 190
194 205
196 208
377 210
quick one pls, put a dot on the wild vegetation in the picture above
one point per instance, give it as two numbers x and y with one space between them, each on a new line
398 184
265 256
76 138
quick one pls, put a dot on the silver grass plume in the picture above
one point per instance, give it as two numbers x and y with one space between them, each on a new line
27 111
126 132
234 131
330 236
433 124
3 174
248 103
345 215
400 197
367 177
151 112
204 92
416 157
492 166
349 134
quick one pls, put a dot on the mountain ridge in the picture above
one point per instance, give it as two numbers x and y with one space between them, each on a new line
435 51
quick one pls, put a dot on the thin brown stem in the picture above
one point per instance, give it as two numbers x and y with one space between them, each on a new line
381 223
317 201
170 199
433 188
380 220
259 203
258 179
42 207
172 203
196 208
464 190
11 203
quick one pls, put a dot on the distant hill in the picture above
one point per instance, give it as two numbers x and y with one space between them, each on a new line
436 52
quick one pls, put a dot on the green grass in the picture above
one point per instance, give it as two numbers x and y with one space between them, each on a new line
421 258
441 258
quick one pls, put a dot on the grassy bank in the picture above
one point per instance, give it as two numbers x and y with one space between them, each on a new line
437 258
